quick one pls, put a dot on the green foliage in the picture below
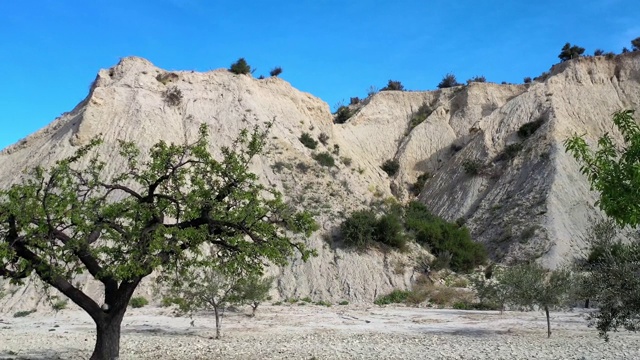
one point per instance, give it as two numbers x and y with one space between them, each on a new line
240 67
23 313
393 86
308 141
324 138
342 114
391 167
164 211
443 237
252 290
389 231
613 171
448 81
529 285
343 302
530 128
598 52
394 297
359 228
276 71
570 52
610 279
138 302
472 167
325 159
323 303
527 80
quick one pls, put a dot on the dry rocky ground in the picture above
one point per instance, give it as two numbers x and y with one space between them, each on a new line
317 332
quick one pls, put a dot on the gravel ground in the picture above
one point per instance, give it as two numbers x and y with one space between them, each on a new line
314 332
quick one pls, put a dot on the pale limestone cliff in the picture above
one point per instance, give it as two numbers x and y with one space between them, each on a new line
534 204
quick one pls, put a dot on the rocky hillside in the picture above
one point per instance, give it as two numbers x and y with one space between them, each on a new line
521 195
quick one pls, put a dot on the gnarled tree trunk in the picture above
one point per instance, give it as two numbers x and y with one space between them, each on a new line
546 311
108 338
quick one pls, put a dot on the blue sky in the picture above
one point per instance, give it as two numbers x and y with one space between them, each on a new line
51 50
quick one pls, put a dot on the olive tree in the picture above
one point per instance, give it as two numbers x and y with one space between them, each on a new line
530 285
159 212
253 290
613 266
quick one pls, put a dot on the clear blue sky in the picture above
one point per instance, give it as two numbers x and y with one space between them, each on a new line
51 50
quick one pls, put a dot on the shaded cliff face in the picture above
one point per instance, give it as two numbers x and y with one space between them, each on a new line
527 200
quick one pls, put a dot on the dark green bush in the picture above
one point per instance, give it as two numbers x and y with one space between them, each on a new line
389 231
569 52
393 86
391 167
527 80
472 167
598 52
240 67
480 78
308 141
394 297
359 228
530 128
343 114
325 159
172 96
276 71
448 81
23 313
138 302
443 237
324 138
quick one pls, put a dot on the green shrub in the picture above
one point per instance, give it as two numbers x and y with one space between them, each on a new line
343 114
448 81
394 297
480 78
308 141
138 302
530 128
325 159
343 302
359 228
389 231
393 86
276 71
391 167
172 96
306 299
240 67
472 167
323 303
598 52
527 80
23 313
569 52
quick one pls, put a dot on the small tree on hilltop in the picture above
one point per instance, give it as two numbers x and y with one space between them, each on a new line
156 213
276 71
569 52
448 81
393 85
635 44
240 67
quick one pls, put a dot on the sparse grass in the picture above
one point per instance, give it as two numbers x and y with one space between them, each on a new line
277 303
306 299
323 303
394 297
138 302
346 160
60 305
